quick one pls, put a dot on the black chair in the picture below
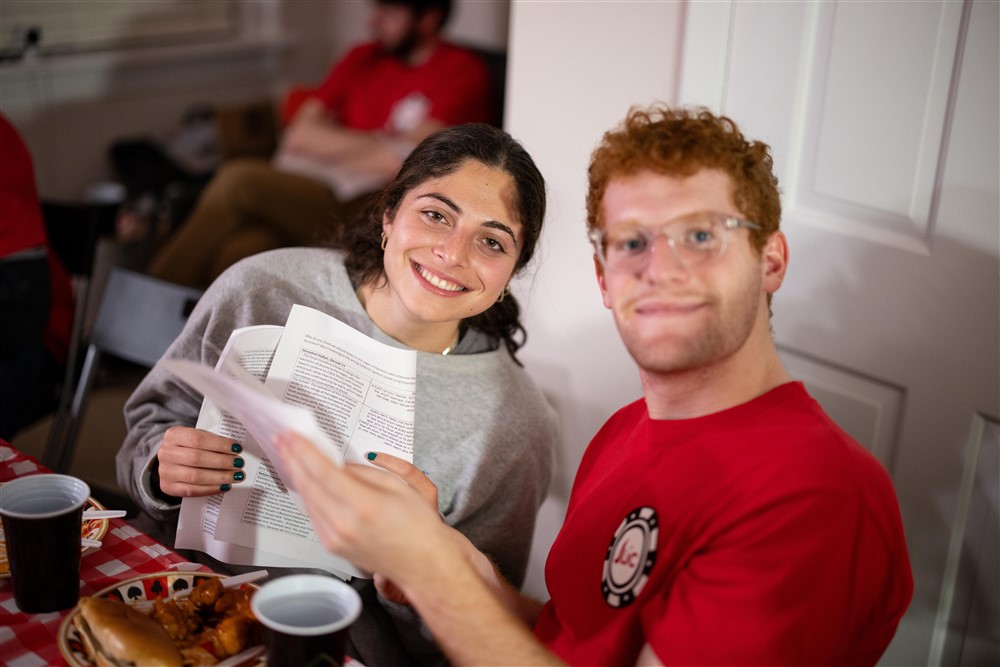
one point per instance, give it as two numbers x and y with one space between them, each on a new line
74 229
139 317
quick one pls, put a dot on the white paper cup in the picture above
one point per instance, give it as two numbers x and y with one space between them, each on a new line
42 515
307 617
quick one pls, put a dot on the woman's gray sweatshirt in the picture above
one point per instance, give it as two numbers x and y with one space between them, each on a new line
483 432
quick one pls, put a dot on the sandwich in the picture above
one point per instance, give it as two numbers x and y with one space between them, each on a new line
116 635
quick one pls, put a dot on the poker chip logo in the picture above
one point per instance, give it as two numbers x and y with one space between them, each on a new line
630 557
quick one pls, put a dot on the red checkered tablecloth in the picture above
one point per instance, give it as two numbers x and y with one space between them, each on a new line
30 639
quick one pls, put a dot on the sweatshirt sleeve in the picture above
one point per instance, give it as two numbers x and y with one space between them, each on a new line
511 487
159 402
492 440
162 400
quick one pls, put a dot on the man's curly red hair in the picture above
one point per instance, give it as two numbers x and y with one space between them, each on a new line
679 142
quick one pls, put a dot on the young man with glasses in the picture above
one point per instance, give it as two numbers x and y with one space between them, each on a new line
723 518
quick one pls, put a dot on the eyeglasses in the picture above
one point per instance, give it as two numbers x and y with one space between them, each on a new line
694 239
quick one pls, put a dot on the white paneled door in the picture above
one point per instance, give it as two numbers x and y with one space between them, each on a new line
884 121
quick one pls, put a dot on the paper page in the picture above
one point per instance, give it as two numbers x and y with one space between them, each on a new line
237 392
363 395
253 348
362 392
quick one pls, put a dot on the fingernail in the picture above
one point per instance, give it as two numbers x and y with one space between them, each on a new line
225 487
237 448
239 475
238 462
371 456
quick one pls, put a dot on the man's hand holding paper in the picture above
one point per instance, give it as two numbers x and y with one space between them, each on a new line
325 382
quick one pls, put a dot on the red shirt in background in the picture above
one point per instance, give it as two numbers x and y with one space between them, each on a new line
371 90
22 228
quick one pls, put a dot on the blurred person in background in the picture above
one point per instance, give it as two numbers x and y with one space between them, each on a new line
344 141
36 297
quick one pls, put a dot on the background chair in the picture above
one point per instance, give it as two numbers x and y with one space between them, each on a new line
138 318
73 230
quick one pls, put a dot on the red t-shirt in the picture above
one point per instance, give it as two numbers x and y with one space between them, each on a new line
370 90
762 534
20 214
21 228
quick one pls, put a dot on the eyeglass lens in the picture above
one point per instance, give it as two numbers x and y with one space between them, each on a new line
693 240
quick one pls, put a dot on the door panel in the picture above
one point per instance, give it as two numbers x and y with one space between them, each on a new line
868 409
883 118
967 632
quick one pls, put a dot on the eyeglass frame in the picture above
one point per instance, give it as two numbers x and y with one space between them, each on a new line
729 223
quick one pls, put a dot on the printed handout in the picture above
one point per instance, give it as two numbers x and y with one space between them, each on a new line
345 391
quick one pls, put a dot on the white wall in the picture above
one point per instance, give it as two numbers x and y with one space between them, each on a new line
563 92
71 109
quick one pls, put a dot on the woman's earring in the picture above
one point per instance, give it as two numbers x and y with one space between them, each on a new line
385 239
505 292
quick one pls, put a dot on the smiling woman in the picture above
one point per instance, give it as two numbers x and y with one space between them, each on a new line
426 268
445 259
469 182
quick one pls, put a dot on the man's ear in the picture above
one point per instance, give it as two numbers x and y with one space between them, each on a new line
599 270
775 261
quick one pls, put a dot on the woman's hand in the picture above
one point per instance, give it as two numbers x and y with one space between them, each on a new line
377 521
388 590
419 482
198 463
409 473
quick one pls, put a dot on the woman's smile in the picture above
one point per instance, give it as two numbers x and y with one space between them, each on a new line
435 280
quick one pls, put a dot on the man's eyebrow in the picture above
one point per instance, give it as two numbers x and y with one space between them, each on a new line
450 203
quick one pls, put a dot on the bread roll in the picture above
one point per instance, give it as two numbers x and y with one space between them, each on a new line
115 634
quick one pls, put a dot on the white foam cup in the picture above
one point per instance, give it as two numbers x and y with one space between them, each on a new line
307 617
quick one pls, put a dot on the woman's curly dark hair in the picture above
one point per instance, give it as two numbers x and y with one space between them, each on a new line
440 154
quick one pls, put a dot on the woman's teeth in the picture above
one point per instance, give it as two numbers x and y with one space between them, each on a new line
440 283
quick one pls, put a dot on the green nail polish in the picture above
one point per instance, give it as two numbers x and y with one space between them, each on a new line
237 448
239 476
225 487
371 456
238 462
